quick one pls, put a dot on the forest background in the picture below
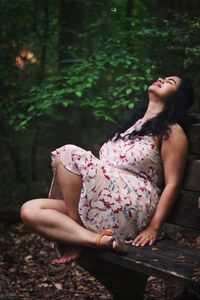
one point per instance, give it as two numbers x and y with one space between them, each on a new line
71 70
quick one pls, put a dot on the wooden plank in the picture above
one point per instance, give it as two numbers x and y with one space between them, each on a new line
191 179
164 259
194 139
194 118
118 280
186 210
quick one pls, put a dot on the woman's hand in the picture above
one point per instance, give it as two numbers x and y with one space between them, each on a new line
146 237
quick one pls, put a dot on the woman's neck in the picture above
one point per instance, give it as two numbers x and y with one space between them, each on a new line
153 110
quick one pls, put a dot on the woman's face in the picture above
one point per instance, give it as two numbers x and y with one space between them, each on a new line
164 88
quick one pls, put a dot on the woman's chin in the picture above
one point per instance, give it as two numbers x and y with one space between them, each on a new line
153 87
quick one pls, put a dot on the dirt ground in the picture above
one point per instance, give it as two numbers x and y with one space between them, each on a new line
26 272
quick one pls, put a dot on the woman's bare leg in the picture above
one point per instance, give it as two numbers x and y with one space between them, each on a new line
70 185
47 218
59 220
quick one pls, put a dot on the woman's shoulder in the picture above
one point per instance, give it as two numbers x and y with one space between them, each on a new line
177 135
176 130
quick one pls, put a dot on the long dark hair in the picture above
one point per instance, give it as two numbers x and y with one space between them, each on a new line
175 111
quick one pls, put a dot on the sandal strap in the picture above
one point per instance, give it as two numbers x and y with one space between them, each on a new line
121 246
103 233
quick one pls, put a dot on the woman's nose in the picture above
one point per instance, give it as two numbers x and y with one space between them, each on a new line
161 80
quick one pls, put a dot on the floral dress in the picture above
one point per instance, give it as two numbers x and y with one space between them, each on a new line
121 189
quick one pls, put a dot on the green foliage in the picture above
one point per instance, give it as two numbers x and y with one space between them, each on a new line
119 57
183 40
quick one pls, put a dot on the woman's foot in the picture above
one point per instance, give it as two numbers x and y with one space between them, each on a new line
66 254
107 239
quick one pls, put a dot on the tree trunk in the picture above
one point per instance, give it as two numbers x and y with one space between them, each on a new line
42 36
44 39
129 8
71 16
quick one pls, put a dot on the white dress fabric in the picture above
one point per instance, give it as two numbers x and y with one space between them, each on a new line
121 188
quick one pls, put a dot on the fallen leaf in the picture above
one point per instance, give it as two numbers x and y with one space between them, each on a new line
43 285
12 270
91 278
58 286
28 257
18 242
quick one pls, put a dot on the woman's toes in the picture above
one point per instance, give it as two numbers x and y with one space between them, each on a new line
114 245
61 260
66 259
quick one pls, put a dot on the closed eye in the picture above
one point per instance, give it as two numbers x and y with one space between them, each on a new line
170 82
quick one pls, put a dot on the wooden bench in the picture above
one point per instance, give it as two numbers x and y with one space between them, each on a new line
126 275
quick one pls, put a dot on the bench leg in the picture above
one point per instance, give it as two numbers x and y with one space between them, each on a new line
123 283
191 294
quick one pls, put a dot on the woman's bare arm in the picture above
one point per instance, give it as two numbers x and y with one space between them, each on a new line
174 153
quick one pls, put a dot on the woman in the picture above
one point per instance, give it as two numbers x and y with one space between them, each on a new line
130 190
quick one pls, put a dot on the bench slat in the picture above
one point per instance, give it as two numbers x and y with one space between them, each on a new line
194 118
191 179
194 139
186 210
164 259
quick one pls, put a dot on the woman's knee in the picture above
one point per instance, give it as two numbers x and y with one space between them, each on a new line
32 211
29 211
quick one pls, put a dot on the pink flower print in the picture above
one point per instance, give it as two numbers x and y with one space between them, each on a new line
105 173
92 173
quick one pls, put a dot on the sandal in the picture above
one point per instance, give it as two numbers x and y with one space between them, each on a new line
59 249
121 247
